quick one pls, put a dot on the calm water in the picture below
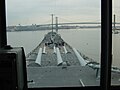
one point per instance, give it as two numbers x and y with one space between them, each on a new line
87 41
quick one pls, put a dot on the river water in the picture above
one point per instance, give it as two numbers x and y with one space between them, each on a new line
87 41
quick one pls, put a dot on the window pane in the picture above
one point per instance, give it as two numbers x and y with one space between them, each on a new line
62 40
115 77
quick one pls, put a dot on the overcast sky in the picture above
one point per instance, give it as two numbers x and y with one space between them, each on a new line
26 12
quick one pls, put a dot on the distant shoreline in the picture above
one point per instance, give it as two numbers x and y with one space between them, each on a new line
31 28
44 28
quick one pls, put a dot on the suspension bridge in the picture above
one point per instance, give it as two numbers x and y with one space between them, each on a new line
62 24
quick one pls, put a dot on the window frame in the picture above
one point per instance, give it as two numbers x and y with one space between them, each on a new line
3 36
106 44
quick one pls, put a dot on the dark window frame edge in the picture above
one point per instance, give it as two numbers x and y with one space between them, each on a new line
3 36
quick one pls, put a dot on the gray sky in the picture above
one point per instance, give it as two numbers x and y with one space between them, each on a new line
26 12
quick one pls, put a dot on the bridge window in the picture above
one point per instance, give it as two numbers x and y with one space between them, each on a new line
71 51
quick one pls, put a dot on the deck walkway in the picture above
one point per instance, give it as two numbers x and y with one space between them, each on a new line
61 77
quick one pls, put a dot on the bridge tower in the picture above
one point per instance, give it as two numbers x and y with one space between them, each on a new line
56 24
52 23
114 23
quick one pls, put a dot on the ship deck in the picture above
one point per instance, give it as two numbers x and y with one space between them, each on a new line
70 73
65 76
61 76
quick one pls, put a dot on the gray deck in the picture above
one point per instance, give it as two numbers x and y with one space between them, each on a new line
61 76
